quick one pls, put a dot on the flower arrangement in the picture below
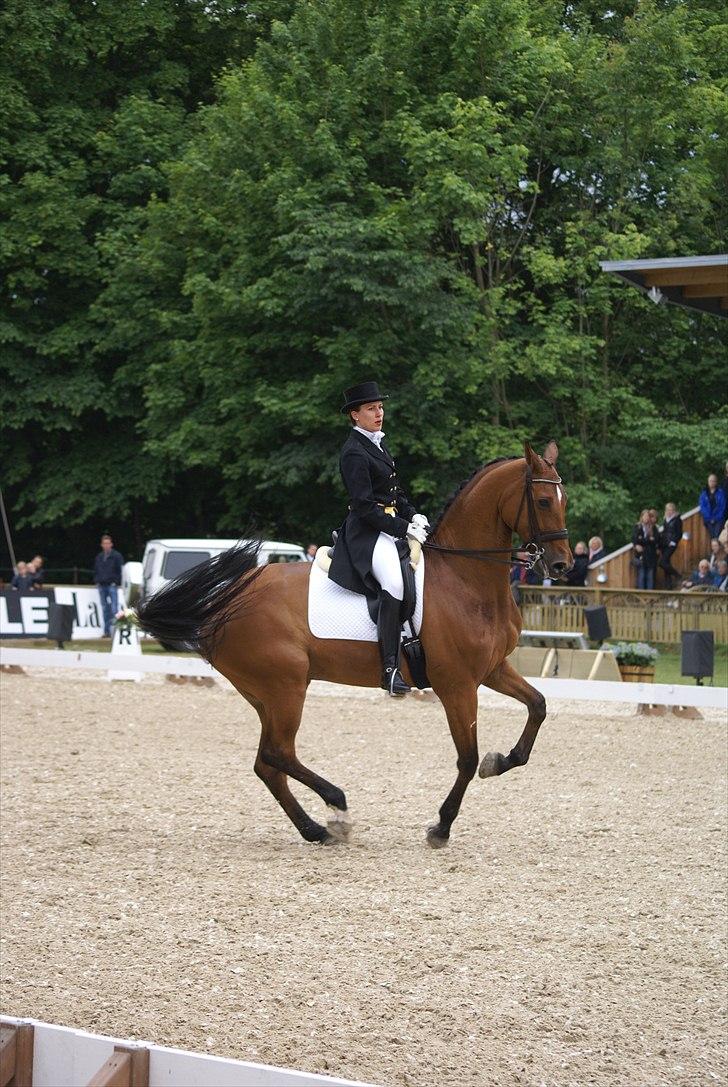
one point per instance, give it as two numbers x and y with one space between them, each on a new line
638 653
126 617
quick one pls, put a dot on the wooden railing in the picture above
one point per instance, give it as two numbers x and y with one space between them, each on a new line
621 574
633 615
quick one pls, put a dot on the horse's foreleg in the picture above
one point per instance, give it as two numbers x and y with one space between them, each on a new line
506 680
461 708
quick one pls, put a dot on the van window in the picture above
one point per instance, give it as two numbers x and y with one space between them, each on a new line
149 562
178 562
281 556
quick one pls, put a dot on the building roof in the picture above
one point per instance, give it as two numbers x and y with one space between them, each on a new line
694 282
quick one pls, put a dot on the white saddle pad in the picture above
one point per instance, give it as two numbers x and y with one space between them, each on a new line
334 612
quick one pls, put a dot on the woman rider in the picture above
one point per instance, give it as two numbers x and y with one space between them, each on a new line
366 559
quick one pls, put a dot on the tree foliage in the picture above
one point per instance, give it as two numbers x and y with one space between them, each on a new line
225 217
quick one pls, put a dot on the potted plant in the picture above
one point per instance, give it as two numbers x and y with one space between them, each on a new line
636 661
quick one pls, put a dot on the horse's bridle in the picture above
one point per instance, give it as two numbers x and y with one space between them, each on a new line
533 546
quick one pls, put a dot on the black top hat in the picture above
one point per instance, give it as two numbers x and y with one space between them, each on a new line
365 393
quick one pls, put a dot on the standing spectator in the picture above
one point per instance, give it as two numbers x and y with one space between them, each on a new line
36 567
653 515
576 576
107 576
22 580
724 484
311 552
717 552
596 549
670 537
645 539
712 506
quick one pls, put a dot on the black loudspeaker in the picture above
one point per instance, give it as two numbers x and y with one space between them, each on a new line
597 623
60 623
697 653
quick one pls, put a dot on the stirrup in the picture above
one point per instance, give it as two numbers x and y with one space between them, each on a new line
394 684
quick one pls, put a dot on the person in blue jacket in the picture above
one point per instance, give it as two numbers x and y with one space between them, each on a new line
712 506
107 576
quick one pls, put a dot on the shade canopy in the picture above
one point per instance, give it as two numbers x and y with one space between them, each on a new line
694 282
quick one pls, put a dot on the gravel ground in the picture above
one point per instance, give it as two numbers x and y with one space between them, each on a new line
573 932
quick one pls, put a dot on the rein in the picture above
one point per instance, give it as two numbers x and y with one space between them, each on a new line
533 546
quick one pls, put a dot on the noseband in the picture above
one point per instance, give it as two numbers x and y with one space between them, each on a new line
536 538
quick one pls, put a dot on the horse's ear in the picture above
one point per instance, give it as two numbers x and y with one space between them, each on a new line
529 454
551 452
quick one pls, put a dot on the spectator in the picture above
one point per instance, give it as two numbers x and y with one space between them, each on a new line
22 580
723 538
717 552
596 549
670 536
576 576
724 484
721 576
311 552
712 506
653 515
645 539
38 571
107 576
700 578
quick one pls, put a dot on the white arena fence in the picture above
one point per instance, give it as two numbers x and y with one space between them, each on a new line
655 694
64 1057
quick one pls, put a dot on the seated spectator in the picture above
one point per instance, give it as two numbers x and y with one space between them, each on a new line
721 576
645 539
22 580
671 533
700 578
596 549
717 552
712 506
36 566
577 574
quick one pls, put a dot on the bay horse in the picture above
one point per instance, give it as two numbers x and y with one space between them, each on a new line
251 623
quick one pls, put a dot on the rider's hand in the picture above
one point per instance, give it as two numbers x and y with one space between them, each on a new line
416 532
420 519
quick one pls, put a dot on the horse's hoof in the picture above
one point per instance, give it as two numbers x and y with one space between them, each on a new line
492 765
340 823
435 837
330 839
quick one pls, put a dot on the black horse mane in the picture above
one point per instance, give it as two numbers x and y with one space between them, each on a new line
461 487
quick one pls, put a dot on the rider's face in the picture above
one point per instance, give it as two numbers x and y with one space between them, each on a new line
369 416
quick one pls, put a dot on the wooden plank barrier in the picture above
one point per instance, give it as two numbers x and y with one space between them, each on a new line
16 1054
128 1066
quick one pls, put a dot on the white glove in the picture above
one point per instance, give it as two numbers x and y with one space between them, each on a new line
416 532
420 519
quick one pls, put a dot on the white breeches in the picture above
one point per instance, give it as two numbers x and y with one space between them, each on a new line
386 567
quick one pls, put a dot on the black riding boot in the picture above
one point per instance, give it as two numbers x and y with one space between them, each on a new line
388 636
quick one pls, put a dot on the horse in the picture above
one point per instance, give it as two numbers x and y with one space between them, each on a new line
251 623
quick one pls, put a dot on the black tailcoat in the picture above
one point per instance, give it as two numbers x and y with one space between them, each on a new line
371 480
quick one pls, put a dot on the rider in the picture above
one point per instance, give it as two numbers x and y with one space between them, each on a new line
366 559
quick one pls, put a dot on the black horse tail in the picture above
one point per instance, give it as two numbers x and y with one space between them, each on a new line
193 609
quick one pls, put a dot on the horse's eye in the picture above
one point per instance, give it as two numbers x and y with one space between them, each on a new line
544 503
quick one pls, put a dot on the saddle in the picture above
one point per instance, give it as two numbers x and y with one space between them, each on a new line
410 553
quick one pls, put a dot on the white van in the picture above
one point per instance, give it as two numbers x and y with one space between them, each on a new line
167 559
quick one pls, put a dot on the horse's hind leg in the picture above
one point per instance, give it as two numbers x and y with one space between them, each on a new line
462 714
277 760
506 680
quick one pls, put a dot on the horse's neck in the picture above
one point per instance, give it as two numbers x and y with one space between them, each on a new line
473 522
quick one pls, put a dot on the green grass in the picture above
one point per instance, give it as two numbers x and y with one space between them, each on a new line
667 666
93 645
